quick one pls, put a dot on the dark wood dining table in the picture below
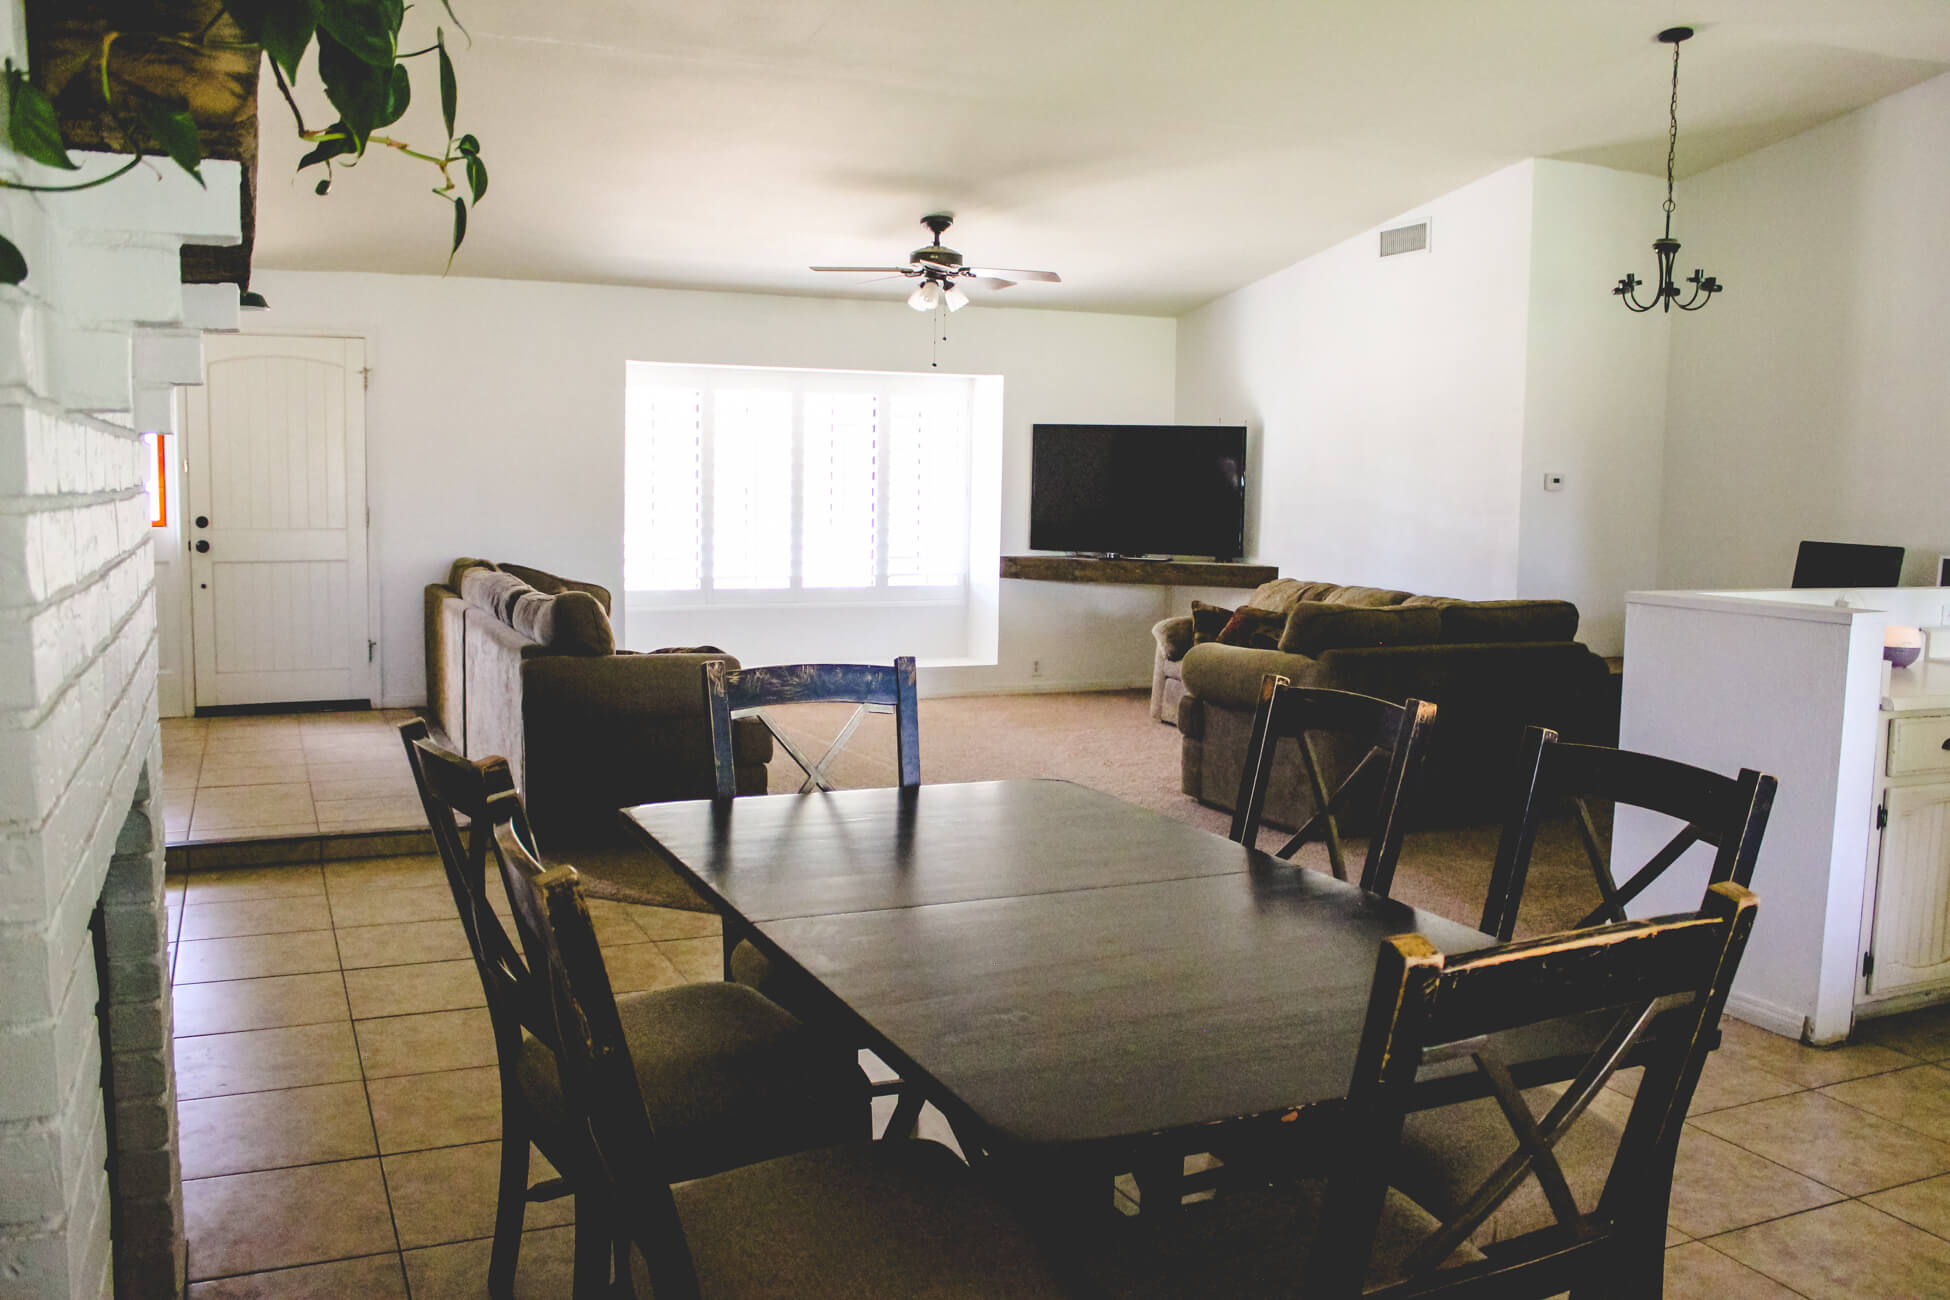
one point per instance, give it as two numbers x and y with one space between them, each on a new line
1061 973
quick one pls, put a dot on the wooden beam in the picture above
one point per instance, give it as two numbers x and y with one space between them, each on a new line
185 52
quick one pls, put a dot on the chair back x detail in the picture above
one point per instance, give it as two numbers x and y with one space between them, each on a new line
484 793
1390 739
1728 813
1661 983
875 688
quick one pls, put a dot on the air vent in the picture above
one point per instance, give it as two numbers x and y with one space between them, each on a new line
1405 239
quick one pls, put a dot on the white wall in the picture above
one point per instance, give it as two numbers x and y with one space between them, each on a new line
1593 389
1386 398
495 428
1812 399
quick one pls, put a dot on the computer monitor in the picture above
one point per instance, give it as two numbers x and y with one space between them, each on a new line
1847 564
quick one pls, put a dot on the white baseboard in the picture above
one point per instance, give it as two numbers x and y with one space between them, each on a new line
1770 1016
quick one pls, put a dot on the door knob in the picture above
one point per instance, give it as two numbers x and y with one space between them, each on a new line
202 546
203 521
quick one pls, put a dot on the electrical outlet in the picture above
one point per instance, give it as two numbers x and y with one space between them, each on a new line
1035 668
1553 482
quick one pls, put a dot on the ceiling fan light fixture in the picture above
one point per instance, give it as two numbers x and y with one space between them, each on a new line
926 296
954 297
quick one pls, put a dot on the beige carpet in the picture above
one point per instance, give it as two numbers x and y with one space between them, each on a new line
1107 740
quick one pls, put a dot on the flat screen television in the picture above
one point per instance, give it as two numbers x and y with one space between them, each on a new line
1847 564
1138 489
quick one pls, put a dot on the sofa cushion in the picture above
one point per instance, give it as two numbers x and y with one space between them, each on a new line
1466 622
1254 627
570 623
1281 593
1314 627
544 581
1208 621
1365 597
458 569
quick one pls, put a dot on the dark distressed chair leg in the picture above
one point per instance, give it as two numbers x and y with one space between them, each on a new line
595 1244
511 1200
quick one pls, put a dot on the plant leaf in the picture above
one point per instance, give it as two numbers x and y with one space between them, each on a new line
356 89
468 145
287 29
13 267
399 93
368 29
449 91
177 135
476 176
460 230
336 143
322 186
448 6
33 128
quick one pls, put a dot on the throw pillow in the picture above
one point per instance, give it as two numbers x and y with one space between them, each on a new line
1259 628
1208 621
490 589
571 623
544 581
1314 628
582 625
458 570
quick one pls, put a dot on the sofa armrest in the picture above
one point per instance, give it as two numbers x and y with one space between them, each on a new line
1174 636
634 684
1229 675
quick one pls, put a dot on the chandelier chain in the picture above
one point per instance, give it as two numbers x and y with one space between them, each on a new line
1672 136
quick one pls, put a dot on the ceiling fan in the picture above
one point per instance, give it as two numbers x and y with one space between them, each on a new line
938 268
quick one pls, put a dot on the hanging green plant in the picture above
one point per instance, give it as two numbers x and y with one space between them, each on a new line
363 72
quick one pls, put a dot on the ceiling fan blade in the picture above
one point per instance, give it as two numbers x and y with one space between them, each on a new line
992 282
866 270
1004 273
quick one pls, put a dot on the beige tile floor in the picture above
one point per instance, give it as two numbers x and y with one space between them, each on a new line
339 1113
286 775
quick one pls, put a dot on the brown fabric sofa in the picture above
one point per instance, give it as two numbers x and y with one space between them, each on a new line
1490 667
523 664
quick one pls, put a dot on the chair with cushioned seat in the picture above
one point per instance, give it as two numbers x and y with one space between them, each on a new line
1728 813
748 692
1386 741
1659 985
730 1077
869 1219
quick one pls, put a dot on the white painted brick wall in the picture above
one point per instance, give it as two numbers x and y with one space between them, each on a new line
100 319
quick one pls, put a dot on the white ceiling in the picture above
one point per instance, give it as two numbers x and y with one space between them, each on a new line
1157 153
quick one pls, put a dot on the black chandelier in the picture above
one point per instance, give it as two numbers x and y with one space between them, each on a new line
1666 295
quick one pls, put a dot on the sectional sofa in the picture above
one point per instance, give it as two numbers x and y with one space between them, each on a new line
1491 667
524 664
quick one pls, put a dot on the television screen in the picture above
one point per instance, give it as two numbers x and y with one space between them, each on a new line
1138 489
1847 564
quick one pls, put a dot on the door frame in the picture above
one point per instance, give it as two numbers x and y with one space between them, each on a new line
374 673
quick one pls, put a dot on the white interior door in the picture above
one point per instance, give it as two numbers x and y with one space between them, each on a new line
276 521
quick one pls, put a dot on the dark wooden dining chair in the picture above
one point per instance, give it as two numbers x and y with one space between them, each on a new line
749 692
866 1219
1365 1229
731 1077
1728 813
869 687
1386 743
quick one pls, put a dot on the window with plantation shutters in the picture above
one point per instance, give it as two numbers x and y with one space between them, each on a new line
749 485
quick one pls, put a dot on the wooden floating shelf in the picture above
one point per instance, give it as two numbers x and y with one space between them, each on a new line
1151 573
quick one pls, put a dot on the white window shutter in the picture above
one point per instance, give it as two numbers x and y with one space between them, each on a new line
751 527
662 539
